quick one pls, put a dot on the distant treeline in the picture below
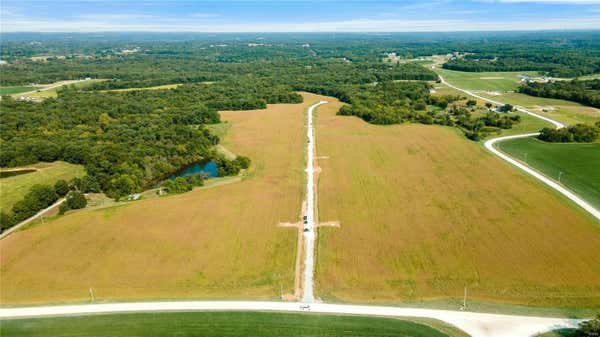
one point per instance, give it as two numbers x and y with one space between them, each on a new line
579 133
584 92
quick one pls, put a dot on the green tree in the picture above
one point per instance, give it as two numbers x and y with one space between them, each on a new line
76 200
590 328
61 188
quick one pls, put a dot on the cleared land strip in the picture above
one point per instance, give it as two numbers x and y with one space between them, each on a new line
475 324
490 146
309 226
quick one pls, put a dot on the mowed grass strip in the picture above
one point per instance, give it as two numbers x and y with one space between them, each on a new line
577 164
248 324
14 188
425 212
157 87
220 242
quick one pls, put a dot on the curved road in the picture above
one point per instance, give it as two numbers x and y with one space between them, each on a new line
475 324
489 144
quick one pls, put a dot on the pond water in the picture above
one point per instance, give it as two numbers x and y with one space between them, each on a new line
209 168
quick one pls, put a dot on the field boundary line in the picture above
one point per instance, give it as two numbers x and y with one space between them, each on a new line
489 145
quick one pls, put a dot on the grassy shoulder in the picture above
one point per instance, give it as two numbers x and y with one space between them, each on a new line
577 164
14 188
425 212
221 324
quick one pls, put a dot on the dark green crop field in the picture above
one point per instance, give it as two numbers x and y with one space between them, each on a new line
220 324
578 163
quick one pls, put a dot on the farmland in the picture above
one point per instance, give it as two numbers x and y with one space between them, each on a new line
220 242
15 90
558 109
578 163
425 213
158 87
14 188
220 324
493 81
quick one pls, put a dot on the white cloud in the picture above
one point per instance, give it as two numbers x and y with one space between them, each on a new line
205 22
570 2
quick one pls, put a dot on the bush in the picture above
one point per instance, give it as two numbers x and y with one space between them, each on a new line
589 328
6 221
75 200
473 135
61 188
506 108
243 162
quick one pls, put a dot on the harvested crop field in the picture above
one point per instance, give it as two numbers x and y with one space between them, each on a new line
424 213
220 242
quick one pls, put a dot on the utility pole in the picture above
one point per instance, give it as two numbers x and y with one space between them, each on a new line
464 306
559 176
92 294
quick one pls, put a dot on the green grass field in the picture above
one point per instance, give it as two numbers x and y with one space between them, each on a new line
492 81
578 162
53 92
222 324
158 87
15 90
561 110
13 189
528 124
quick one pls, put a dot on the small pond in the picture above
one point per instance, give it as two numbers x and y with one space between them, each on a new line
208 168
6 174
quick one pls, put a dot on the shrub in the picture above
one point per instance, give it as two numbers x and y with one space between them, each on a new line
61 188
75 200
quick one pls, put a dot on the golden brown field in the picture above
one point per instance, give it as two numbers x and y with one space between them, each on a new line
220 242
425 212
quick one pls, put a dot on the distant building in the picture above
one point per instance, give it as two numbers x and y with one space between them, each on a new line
524 78
134 196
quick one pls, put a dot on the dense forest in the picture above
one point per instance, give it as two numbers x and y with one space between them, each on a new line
556 55
584 92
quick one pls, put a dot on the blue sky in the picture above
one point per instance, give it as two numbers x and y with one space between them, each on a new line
296 16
